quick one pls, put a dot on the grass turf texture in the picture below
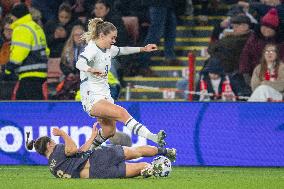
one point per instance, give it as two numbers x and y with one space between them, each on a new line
29 177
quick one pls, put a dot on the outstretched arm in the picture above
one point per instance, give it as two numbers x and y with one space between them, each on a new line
85 147
70 146
117 51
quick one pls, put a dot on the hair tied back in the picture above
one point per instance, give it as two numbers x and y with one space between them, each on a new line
29 145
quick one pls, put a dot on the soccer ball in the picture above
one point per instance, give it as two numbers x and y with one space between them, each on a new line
162 166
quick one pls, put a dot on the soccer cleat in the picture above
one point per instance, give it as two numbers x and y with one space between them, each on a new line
161 138
171 154
147 171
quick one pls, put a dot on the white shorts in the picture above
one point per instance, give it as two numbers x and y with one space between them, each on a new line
89 98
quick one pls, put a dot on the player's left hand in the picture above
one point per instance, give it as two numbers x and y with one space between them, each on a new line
150 48
57 132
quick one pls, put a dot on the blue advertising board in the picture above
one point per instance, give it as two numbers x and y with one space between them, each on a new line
205 134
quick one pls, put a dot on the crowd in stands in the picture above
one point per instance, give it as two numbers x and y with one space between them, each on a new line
239 44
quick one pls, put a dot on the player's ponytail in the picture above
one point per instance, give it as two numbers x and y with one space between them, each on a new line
40 144
29 144
95 27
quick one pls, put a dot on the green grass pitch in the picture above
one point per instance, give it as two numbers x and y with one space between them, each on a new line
39 177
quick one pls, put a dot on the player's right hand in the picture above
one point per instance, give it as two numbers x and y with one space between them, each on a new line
94 130
96 72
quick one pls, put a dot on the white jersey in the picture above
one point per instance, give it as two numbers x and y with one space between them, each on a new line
93 87
99 59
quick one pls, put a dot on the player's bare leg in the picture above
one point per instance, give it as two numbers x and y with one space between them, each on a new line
148 151
105 109
106 131
134 169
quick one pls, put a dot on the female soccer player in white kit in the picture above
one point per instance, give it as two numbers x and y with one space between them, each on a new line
94 64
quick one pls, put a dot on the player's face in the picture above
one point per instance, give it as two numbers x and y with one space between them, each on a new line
109 39
51 144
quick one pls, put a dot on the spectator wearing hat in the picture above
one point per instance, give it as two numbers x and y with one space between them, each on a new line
28 55
229 48
258 10
225 24
251 53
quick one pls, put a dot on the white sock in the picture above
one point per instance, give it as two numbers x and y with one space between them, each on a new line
140 130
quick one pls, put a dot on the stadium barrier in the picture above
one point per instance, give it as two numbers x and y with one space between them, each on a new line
205 134
191 75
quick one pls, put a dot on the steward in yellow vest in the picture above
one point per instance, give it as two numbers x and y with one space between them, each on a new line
28 56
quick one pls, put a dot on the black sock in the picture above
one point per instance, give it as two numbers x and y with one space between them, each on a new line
162 151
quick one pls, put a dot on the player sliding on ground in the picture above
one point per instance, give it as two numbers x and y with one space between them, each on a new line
66 161
94 64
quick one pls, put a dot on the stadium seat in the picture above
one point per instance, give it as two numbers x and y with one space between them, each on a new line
53 70
131 24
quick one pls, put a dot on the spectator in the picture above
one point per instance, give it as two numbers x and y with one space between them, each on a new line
214 84
102 9
28 56
48 8
57 40
73 47
258 10
78 8
6 6
268 77
57 31
225 26
228 51
5 46
251 53
36 15
163 22
67 89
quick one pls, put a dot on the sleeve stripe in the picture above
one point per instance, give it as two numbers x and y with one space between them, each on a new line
118 51
21 45
84 58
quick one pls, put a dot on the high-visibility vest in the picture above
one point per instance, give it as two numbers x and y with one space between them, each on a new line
29 51
112 80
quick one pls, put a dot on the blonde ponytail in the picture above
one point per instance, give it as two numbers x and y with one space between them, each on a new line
92 29
95 27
